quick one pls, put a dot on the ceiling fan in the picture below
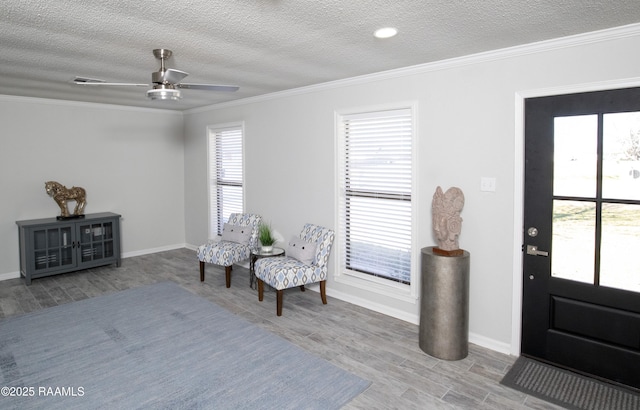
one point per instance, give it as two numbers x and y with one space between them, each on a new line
165 82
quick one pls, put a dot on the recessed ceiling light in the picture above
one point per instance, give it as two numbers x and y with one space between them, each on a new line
385 32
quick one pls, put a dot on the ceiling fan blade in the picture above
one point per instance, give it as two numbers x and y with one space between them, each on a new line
173 76
208 87
95 81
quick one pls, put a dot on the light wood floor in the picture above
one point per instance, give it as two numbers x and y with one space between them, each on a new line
376 347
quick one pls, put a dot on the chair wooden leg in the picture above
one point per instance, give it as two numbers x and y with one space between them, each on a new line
279 302
201 271
227 274
323 291
260 290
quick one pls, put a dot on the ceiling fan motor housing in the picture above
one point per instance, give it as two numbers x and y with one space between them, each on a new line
157 77
165 82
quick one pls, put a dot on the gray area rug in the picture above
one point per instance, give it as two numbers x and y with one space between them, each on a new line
159 347
568 389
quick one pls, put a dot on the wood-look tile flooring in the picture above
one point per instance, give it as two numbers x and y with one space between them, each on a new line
376 347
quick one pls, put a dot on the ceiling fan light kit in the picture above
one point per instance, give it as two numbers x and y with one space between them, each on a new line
163 94
165 82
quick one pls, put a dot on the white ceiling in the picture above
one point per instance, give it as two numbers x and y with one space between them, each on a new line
263 46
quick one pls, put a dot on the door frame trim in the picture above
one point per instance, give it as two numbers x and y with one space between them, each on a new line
518 188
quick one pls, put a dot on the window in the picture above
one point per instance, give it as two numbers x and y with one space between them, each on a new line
375 220
226 179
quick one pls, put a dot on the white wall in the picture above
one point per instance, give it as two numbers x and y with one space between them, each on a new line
129 160
467 128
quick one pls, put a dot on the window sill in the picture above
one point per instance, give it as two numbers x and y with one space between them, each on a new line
384 287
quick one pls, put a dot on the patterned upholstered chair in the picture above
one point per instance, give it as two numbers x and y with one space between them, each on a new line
306 262
239 236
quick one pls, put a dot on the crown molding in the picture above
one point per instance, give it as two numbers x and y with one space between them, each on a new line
85 104
631 30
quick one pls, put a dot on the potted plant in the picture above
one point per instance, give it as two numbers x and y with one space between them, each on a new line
266 237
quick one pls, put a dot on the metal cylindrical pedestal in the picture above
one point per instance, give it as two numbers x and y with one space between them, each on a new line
444 310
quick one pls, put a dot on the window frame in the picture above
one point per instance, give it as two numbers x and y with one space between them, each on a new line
365 281
216 220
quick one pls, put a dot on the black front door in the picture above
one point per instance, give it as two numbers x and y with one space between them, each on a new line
581 285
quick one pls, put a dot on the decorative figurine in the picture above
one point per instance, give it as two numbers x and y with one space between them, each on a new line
446 220
61 194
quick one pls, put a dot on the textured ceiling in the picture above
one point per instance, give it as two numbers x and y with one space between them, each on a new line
263 46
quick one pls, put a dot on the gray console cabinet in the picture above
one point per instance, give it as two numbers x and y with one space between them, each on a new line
50 246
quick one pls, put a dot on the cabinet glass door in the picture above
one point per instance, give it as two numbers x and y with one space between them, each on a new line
96 241
53 248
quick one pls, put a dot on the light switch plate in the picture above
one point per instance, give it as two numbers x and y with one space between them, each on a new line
487 184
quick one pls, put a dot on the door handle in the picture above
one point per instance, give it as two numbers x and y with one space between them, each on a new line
533 250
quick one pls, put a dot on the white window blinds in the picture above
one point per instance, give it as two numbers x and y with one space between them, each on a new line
376 179
225 176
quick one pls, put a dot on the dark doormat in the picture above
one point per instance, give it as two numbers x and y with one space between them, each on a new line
568 389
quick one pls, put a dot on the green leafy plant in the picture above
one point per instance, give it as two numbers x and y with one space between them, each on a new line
265 235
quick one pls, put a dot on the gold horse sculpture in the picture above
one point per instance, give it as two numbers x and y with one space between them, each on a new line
61 194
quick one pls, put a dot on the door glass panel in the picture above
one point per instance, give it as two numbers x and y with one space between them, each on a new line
573 240
66 236
54 257
108 249
620 244
575 156
41 260
54 236
97 231
108 230
621 155
40 239
97 251
87 253
66 256
85 234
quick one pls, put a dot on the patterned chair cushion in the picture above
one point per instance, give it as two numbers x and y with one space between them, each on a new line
226 253
223 253
287 272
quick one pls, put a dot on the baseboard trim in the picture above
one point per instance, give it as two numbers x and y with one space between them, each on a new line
9 275
16 275
376 307
153 250
474 338
492 344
